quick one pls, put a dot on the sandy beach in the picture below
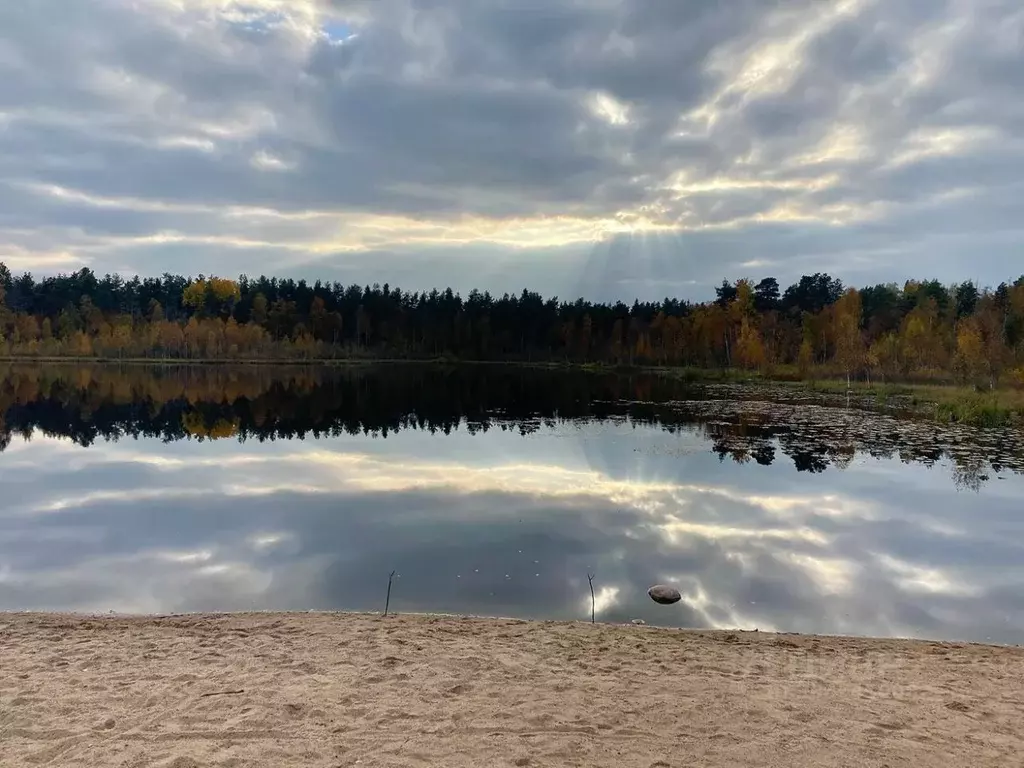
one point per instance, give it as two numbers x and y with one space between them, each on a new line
328 690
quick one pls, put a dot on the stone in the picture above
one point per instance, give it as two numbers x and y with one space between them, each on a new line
664 595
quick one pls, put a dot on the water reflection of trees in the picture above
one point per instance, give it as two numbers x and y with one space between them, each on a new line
829 437
258 403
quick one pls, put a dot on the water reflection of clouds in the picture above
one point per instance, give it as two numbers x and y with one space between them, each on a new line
147 526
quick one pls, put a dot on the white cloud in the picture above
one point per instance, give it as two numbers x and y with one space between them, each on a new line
265 161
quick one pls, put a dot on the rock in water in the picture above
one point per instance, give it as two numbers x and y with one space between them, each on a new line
660 593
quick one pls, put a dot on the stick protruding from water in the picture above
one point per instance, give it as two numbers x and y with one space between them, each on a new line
387 601
593 600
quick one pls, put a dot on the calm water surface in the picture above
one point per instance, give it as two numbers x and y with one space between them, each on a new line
495 491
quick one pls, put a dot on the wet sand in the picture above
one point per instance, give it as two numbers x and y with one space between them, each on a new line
327 690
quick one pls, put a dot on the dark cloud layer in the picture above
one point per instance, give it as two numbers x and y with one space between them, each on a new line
532 141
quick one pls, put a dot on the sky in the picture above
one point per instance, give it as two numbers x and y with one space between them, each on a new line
611 149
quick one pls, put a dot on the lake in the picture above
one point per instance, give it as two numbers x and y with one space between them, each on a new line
496 490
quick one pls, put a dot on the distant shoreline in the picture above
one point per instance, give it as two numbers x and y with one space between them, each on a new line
825 377
432 615
782 374
329 689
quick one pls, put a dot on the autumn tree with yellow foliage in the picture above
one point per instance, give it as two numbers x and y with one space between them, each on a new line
849 341
213 296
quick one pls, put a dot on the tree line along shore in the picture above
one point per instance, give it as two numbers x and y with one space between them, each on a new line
920 332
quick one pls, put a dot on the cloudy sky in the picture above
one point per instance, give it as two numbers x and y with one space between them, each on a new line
610 148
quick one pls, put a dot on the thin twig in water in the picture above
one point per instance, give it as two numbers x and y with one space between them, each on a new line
222 693
387 601
593 601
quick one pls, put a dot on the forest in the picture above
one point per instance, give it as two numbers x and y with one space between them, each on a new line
922 330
